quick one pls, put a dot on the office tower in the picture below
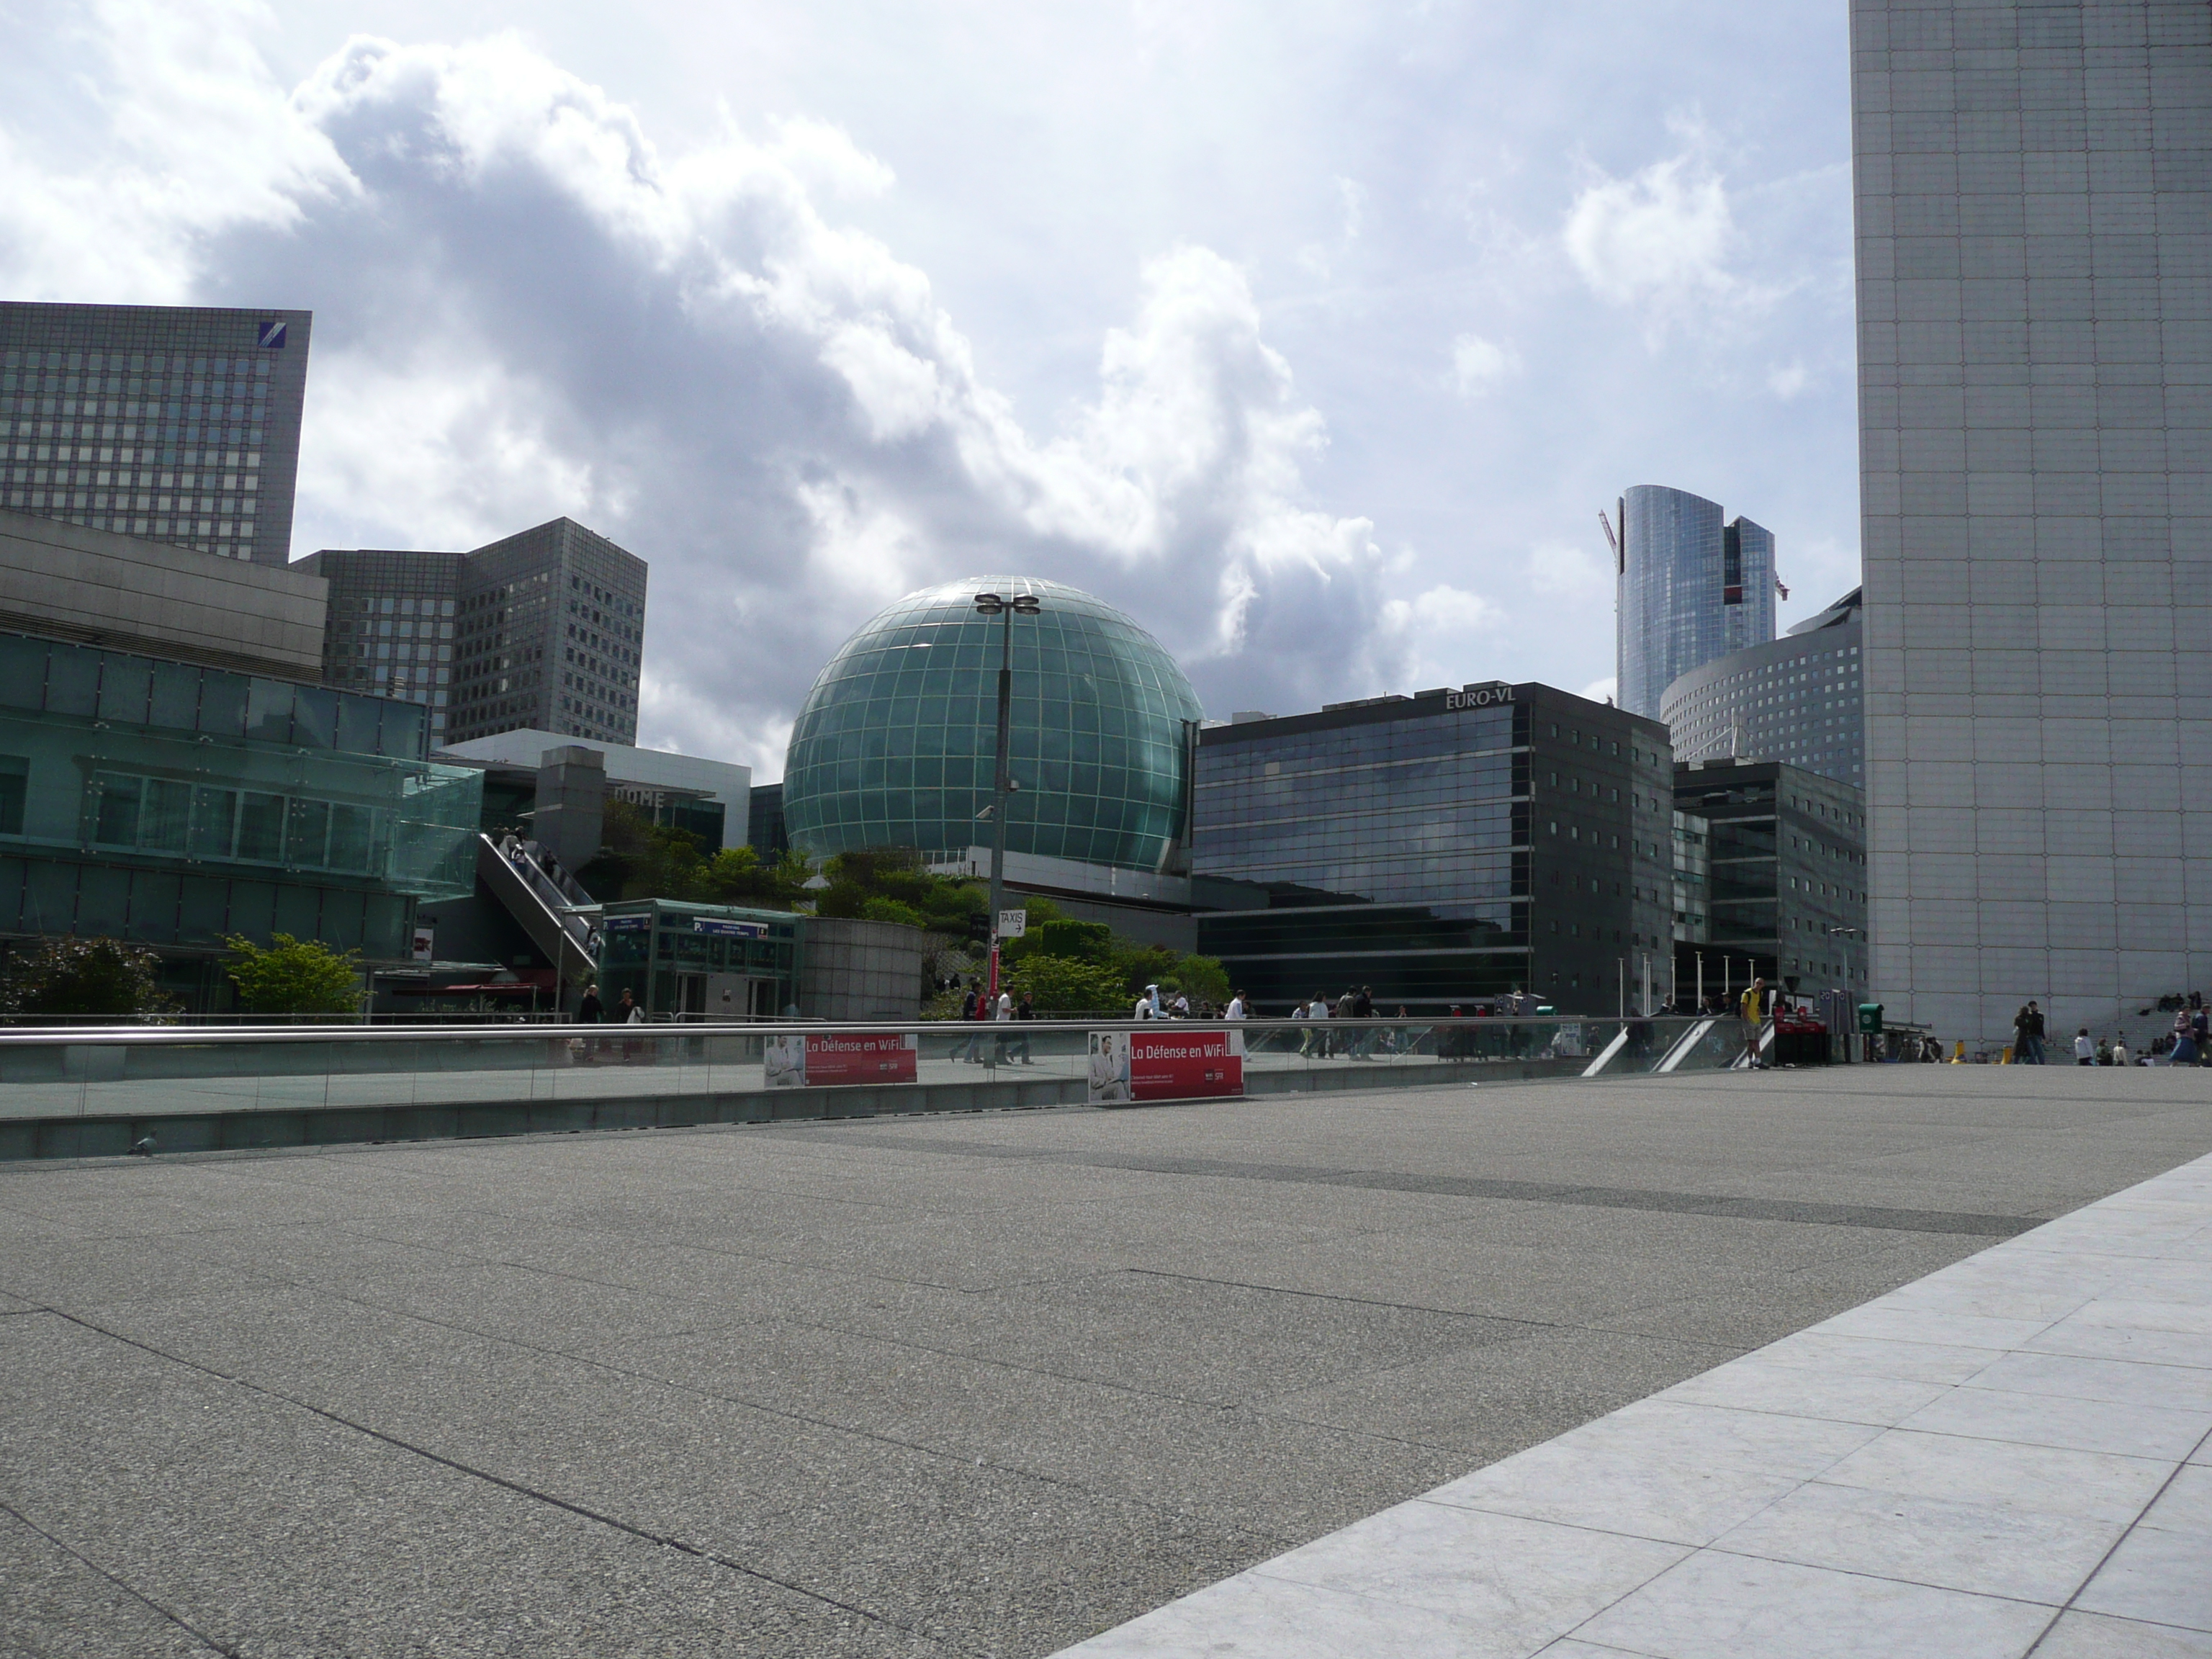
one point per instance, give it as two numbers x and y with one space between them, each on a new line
2034 243
1444 848
1691 588
179 423
390 630
541 631
552 627
1772 871
1796 699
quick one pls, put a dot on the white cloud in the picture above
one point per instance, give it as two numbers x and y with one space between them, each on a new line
526 306
1664 240
1573 571
1786 380
1478 365
1602 690
1435 638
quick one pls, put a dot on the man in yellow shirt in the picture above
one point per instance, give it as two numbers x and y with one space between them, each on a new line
1753 1007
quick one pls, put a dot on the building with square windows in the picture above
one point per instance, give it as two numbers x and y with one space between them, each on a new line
1771 875
1797 699
1444 848
540 631
176 423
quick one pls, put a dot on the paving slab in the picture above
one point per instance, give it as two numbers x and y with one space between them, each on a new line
1909 1476
993 1383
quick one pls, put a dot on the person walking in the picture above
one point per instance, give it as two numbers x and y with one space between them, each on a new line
2119 1051
1023 1010
587 1011
1751 1008
2022 1041
1236 1008
2185 1050
1312 1041
2036 1032
2085 1051
2199 1032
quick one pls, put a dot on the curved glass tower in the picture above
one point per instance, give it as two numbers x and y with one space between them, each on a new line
895 744
1692 588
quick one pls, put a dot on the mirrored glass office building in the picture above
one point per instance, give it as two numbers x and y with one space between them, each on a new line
1442 848
176 423
1691 588
896 745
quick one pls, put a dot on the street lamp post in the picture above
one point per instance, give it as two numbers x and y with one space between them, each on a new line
1004 608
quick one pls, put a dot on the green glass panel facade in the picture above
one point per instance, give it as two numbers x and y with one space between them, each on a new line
158 801
896 743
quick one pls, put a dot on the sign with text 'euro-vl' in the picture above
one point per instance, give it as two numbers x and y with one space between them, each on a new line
1171 1061
822 1059
723 929
1479 696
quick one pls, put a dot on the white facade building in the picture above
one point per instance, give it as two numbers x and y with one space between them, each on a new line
2034 240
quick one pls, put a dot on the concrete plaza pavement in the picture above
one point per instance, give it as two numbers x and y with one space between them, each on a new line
983 1383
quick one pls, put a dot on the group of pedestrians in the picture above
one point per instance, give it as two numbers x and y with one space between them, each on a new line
1319 1043
2186 1045
979 1009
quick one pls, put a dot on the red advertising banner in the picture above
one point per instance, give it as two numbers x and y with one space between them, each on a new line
826 1059
1167 1062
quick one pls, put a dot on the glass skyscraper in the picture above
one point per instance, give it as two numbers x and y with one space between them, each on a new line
176 423
1691 588
896 743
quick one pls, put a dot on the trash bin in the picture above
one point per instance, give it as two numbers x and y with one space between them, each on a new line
1800 1038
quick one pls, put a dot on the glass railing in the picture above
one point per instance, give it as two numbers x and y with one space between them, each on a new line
148 1074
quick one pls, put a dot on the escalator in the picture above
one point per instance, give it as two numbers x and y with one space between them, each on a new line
557 915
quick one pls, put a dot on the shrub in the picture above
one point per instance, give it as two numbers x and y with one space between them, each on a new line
85 977
293 976
891 910
1068 985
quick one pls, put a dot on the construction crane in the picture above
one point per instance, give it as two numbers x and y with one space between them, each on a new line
1618 544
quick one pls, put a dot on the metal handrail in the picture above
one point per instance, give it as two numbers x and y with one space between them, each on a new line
205 1035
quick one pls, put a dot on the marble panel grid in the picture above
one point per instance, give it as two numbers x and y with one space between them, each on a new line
2011 1455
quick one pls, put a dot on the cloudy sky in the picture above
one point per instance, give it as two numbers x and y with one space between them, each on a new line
1314 335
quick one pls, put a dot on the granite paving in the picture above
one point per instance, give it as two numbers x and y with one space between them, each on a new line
993 1383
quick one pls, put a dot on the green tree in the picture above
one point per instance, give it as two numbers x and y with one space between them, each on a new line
1069 985
84 978
293 976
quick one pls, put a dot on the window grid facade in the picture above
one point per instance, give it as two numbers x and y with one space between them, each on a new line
1438 853
895 746
1798 700
173 423
543 631
2034 270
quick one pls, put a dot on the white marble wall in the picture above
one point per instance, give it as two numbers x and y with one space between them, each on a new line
2034 214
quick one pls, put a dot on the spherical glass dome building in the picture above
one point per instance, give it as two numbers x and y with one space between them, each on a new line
896 743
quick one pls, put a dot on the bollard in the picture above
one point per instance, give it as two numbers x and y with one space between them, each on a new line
1959 1053
2004 1057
